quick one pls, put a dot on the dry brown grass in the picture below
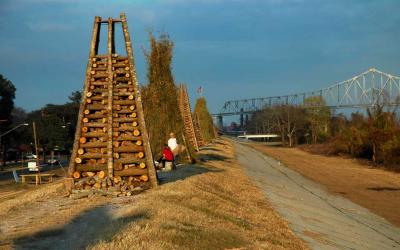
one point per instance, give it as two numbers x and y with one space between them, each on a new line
376 189
218 209
27 197
208 206
40 210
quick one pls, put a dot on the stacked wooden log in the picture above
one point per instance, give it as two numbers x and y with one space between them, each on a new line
92 151
128 166
111 151
128 149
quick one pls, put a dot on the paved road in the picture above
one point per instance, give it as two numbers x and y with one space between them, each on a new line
322 220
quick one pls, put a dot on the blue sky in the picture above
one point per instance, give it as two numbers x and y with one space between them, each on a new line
234 49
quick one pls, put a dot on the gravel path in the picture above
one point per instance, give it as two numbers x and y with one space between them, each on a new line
322 220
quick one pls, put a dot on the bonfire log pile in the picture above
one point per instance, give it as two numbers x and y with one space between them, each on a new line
189 128
111 150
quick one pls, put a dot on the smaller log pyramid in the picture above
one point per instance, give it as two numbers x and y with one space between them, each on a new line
184 107
111 151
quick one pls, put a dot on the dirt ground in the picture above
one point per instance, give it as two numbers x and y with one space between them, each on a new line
375 189
211 205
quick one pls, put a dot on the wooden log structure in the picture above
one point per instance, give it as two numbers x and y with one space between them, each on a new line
111 151
186 113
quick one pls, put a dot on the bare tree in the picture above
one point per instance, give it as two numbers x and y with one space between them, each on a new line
289 120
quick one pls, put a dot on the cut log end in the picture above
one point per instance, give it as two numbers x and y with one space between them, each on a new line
101 174
97 185
140 155
117 179
144 177
77 175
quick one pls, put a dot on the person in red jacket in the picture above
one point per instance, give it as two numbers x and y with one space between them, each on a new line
168 158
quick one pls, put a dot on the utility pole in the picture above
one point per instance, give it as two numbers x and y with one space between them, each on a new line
36 147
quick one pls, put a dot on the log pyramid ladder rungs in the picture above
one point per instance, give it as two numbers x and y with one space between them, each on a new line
111 150
184 106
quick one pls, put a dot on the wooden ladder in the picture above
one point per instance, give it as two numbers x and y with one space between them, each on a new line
184 106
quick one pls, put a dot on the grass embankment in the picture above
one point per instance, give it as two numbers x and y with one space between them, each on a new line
373 188
207 206
217 209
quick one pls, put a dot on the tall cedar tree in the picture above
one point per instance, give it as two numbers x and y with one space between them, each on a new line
160 98
204 118
7 95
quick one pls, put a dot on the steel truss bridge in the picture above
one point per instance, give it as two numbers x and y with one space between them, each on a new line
363 90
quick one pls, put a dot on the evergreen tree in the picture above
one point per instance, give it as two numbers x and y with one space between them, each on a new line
204 118
7 95
160 101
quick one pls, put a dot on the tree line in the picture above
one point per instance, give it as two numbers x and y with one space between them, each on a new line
56 123
373 134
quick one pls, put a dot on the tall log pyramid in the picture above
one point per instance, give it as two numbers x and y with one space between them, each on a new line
111 151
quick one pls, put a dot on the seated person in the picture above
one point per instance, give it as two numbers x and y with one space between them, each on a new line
176 148
168 158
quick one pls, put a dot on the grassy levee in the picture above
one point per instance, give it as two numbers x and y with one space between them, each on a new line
212 206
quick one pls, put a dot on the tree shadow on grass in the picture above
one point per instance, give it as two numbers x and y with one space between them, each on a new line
210 148
220 142
212 157
184 171
383 189
84 230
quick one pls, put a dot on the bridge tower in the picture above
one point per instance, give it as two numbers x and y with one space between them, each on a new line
241 119
220 122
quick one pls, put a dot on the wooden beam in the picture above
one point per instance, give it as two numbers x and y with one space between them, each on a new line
110 158
93 51
149 156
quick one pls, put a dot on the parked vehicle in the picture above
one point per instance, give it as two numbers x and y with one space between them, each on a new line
53 161
30 156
